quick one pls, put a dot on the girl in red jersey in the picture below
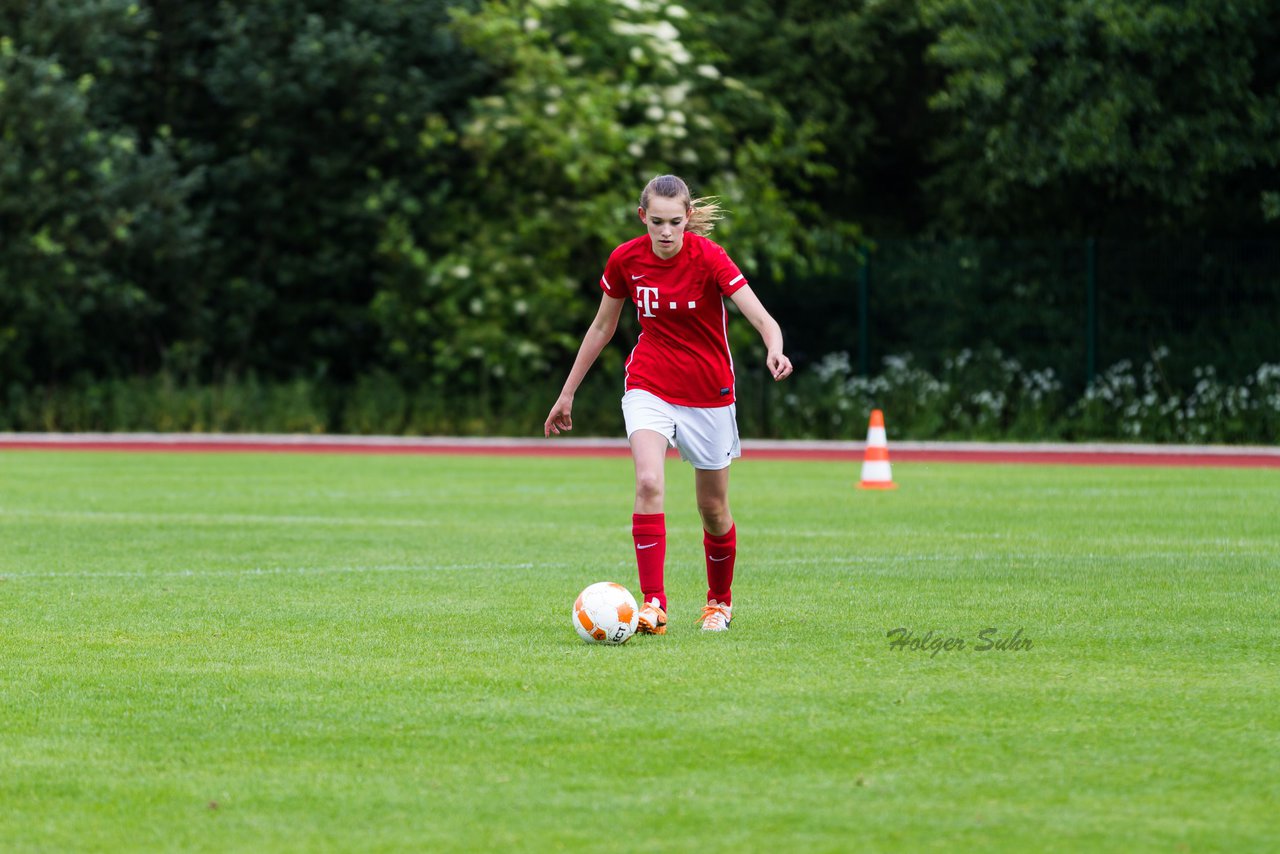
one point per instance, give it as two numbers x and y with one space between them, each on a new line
679 384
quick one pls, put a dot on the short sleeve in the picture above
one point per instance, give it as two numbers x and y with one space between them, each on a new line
727 275
613 282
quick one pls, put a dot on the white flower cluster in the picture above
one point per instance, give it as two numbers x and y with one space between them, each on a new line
1039 386
987 395
660 36
1148 407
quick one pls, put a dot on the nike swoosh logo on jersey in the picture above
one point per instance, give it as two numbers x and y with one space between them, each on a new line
647 546
641 276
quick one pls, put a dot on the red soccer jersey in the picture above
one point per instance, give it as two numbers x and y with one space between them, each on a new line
683 352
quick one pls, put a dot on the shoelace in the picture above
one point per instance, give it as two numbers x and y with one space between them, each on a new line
651 616
711 611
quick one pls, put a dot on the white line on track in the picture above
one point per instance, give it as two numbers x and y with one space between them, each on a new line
275 571
218 518
1212 546
865 561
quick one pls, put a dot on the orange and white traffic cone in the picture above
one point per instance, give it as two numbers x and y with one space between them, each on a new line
876 473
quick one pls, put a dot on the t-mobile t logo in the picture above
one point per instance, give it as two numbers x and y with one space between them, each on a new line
648 300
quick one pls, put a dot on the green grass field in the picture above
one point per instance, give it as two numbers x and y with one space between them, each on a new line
240 652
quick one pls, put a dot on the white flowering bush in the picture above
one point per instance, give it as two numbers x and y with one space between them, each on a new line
987 395
974 395
831 401
1142 404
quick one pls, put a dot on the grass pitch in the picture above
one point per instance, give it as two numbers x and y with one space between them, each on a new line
338 653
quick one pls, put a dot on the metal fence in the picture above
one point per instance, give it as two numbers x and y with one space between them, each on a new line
1076 306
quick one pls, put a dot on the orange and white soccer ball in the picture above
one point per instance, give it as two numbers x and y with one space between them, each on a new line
605 613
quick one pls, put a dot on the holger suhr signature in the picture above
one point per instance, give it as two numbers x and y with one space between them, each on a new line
989 639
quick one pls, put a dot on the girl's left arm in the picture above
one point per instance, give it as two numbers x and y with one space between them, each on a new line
749 304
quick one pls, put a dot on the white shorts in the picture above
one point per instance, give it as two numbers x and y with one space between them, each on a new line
707 437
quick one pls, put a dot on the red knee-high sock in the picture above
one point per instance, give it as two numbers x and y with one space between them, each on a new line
649 530
721 551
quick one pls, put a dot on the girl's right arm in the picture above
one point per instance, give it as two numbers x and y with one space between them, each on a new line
598 335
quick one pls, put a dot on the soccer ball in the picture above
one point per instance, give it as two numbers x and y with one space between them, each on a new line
605 613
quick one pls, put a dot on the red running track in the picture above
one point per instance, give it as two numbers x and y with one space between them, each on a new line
910 452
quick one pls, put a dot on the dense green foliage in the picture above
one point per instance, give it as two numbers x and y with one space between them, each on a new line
422 193
93 218
291 652
1114 116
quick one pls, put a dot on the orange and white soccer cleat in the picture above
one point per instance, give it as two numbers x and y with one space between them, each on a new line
653 620
716 617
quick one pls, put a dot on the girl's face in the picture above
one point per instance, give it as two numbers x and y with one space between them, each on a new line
665 219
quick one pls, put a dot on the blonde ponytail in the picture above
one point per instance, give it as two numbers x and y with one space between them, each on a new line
703 215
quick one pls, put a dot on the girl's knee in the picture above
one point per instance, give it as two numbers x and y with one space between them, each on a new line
715 515
649 485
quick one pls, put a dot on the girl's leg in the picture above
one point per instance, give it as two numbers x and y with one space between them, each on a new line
648 522
713 500
720 537
649 452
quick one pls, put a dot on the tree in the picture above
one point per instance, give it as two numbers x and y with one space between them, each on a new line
94 221
586 102
1106 117
315 125
853 72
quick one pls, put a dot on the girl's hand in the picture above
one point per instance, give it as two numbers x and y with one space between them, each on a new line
779 366
560 418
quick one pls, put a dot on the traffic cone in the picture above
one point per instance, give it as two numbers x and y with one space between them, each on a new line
876 473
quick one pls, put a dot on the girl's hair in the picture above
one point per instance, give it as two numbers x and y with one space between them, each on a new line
703 213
